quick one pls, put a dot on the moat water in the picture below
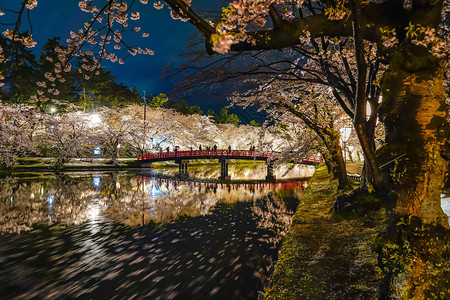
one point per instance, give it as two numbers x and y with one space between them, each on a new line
120 235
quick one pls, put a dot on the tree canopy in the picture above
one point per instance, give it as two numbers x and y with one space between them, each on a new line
410 42
41 83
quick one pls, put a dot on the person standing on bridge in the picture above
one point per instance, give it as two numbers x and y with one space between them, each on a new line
229 147
200 147
215 147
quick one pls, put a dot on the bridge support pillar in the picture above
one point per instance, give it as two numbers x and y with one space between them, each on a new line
182 167
224 169
270 176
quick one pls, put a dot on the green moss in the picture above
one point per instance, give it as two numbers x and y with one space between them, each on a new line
417 261
131 164
326 258
30 175
29 161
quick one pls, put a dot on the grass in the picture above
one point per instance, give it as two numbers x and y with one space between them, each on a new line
45 163
325 255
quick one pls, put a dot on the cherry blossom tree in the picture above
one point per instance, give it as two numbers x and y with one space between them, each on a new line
413 111
325 65
169 128
114 130
20 129
52 88
407 34
152 132
26 130
69 135
288 104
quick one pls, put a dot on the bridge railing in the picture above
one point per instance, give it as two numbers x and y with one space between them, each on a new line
200 153
313 159
220 153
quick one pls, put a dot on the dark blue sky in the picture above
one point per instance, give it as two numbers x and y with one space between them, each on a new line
167 38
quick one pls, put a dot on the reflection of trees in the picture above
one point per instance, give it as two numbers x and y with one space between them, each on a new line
28 203
72 199
125 199
12 209
251 171
160 200
167 200
273 214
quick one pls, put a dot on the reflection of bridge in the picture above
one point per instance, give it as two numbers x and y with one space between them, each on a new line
182 159
209 184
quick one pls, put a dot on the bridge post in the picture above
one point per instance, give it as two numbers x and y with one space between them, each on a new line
182 167
224 169
270 176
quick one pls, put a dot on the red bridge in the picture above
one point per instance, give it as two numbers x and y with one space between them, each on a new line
207 154
219 154
182 158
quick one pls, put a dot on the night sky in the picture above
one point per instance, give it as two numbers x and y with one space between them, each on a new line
167 38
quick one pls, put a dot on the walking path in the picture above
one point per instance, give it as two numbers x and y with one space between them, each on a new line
325 256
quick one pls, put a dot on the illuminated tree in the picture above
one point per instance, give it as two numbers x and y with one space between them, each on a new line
69 135
406 35
287 104
20 130
52 88
415 59
409 170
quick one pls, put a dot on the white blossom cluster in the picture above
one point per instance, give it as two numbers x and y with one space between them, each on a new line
26 130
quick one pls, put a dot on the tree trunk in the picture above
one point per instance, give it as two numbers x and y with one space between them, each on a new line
60 161
331 140
340 170
327 158
371 175
365 130
414 114
114 156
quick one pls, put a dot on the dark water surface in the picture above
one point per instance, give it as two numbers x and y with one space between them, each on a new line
122 236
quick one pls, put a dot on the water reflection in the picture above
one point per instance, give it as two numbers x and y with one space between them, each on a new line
132 200
77 240
253 171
